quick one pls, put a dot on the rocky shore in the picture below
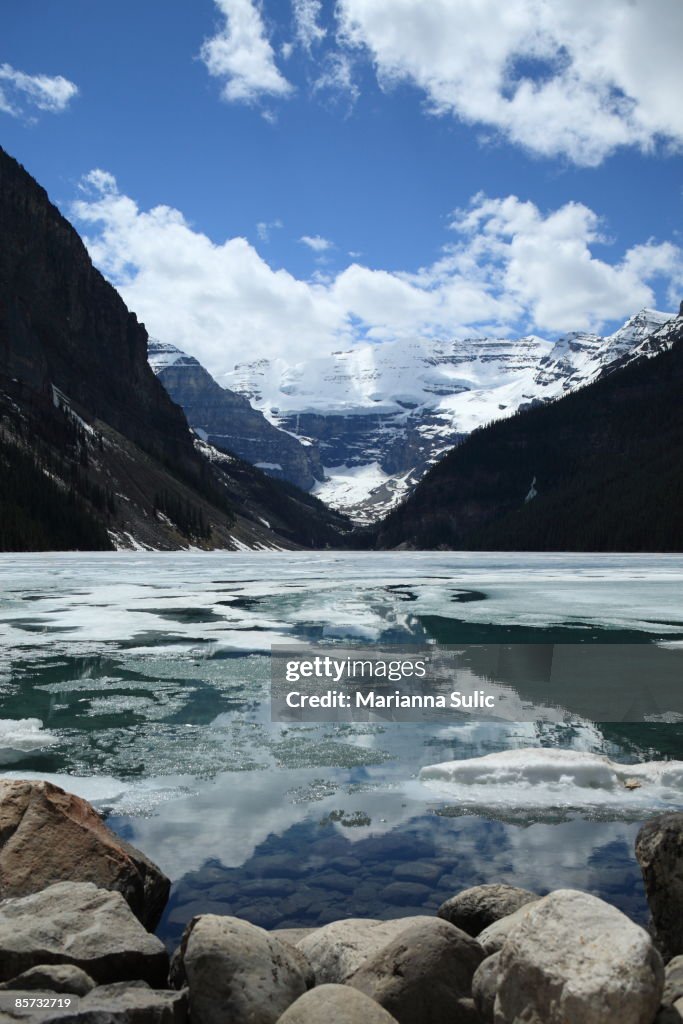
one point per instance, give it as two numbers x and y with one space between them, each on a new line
78 906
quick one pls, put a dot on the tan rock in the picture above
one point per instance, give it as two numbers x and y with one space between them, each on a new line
48 835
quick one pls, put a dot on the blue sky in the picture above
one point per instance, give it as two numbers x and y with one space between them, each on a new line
226 131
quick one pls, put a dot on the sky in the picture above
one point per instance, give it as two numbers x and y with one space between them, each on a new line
287 177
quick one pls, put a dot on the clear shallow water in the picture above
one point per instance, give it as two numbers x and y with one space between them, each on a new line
147 676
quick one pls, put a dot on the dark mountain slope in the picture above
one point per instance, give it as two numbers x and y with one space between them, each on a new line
607 462
93 452
224 418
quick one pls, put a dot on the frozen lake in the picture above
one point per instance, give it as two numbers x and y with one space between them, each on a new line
141 681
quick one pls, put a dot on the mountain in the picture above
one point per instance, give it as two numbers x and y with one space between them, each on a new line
93 452
382 414
228 421
600 469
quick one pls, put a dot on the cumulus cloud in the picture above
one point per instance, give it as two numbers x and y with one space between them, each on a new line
546 265
511 267
308 31
241 54
572 79
21 93
316 242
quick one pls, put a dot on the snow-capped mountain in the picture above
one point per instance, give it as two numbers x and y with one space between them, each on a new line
382 413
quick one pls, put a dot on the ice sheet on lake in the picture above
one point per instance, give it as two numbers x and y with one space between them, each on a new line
549 778
119 796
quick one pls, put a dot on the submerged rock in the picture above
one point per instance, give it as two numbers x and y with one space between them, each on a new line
48 835
474 909
574 959
77 923
239 973
424 976
335 1004
338 949
659 849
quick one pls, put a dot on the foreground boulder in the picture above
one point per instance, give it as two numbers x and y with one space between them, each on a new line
77 923
48 835
337 950
574 959
237 972
673 981
424 976
484 987
61 978
335 1004
659 849
128 1002
474 909
493 938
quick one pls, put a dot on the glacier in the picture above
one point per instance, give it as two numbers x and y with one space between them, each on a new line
379 414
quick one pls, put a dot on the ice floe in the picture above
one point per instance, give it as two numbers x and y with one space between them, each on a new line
536 778
22 736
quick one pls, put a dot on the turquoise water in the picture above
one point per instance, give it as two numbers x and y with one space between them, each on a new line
141 681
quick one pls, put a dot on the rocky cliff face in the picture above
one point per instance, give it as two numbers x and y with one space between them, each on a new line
62 324
228 421
93 452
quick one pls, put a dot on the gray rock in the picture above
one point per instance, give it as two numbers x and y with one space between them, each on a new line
424 975
484 987
337 950
492 938
53 978
77 923
48 835
337 1004
659 849
238 972
126 1003
673 981
129 1002
292 935
574 959
475 909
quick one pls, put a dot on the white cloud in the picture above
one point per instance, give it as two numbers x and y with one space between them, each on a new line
336 80
19 91
264 228
510 268
545 263
242 55
317 243
306 14
574 79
